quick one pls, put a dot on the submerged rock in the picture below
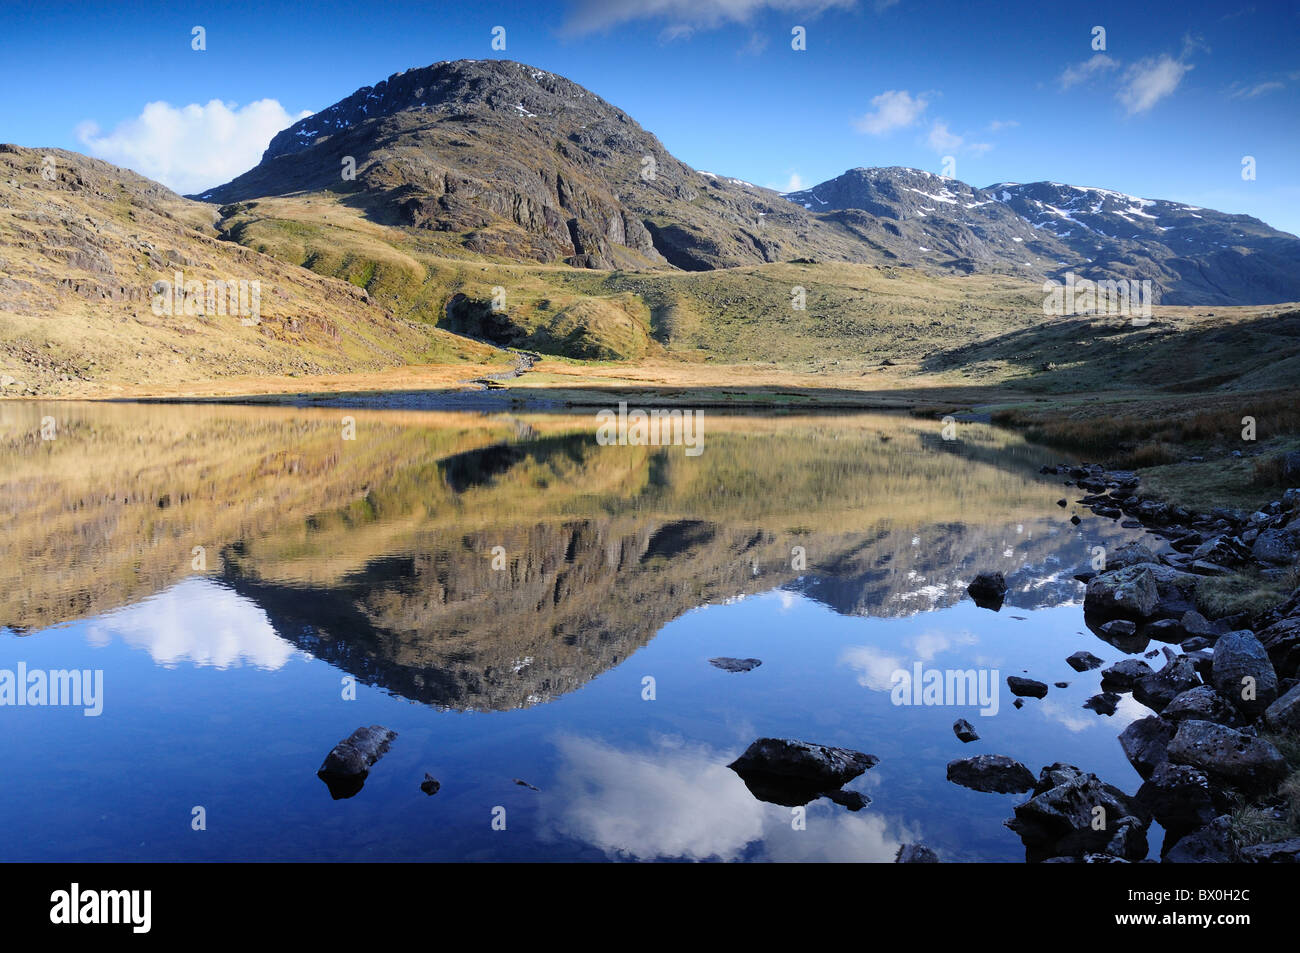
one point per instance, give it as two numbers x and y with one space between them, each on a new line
853 800
990 773
345 768
1103 704
735 664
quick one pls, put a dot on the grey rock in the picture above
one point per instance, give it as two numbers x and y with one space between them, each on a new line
1274 852
1130 592
735 664
1211 844
1059 819
818 765
1275 546
355 754
1082 661
1026 687
1178 796
1284 714
1243 673
853 800
1164 630
1118 629
1125 673
1201 703
1282 642
1240 760
1145 743
1160 688
1130 554
993 773
965 731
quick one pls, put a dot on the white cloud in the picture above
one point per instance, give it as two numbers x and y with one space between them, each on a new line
1246 91
1099 63
1151 80
191 148
685 16
199 622
793 184
675 800
997 125
944 141
894 109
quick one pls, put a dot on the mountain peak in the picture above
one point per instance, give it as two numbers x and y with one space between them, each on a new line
449 86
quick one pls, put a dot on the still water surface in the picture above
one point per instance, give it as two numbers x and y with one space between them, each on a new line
232 570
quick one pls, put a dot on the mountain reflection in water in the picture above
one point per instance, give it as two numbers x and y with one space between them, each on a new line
491 563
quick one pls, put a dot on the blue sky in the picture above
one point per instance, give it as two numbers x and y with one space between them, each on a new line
1182 92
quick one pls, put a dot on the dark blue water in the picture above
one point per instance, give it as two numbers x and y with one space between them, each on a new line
225 688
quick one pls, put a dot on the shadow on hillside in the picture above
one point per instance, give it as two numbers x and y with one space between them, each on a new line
1087 352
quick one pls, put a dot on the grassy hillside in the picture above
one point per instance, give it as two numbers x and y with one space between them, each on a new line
80 253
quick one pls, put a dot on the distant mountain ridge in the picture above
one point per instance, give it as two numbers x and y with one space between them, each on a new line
518 162
1192 255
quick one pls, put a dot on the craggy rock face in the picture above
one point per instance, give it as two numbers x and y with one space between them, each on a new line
525 164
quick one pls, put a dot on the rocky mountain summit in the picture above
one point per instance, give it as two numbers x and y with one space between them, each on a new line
525 164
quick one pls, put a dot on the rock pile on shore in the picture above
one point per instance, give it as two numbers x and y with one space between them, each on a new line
1233 683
